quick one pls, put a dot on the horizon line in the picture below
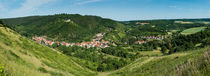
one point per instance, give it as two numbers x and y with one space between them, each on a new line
107 18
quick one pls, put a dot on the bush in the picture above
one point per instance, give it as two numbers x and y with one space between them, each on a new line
164 50
41 69
1 22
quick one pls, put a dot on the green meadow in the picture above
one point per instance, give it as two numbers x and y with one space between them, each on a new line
193 30
190 63
23 57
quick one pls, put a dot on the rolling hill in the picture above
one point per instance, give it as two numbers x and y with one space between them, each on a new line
23 57
20 56
63 27
192 62
169 24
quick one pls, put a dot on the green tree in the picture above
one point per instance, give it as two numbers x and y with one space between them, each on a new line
101 67
164 50
168 44
55 45
42 42
206 42
1 22
65 50
189 45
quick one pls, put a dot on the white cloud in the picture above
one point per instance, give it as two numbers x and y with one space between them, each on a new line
87 1
29 6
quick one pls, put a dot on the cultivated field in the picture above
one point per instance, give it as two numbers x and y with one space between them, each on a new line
193 30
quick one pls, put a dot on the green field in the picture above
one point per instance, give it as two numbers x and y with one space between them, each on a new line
193 30
190 63
23 57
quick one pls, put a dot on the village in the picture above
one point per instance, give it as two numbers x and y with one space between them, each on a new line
140 42
150 37
96 42
153 37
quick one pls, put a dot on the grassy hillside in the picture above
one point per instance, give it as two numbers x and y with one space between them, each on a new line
63 27
193 62
22 57
192 30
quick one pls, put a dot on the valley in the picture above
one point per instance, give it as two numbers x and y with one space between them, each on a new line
23 57
83 45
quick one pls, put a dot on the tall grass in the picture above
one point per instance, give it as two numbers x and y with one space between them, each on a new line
192 63
23 57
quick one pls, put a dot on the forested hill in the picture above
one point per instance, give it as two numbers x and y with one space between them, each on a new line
63 27
170 24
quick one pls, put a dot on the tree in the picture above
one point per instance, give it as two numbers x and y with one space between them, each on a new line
42 42
55 45
102 67
176 49
164 50
65 50
206 42
155 44
168 44
1 22
1 25
189 45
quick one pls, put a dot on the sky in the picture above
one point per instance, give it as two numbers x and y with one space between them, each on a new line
121 10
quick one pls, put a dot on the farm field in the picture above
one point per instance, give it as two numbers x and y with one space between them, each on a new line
193 30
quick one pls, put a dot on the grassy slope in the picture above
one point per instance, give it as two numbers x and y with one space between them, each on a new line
180 64
23 57
193 30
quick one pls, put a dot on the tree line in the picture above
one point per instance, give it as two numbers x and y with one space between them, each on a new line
186 42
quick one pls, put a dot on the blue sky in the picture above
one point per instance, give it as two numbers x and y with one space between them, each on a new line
115 9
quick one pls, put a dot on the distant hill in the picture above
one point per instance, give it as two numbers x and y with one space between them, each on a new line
170 24
20 56
63 27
